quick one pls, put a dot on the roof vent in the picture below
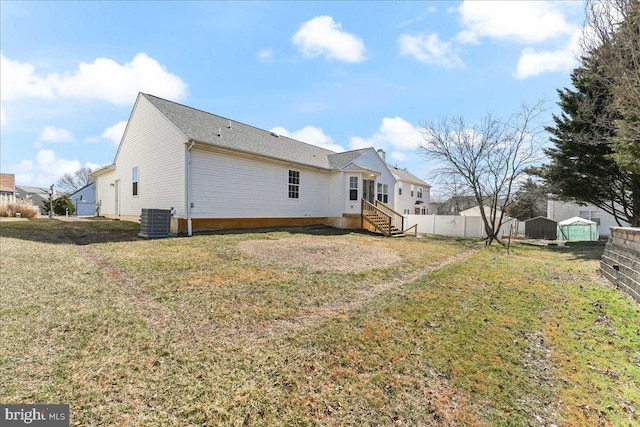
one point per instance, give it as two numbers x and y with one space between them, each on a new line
229 124
275 134
219 131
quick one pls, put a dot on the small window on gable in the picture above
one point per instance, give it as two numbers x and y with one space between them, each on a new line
294 184
353 188
134 179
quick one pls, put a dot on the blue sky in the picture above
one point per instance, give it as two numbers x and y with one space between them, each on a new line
342 75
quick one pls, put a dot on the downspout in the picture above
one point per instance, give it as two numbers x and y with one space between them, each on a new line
188 189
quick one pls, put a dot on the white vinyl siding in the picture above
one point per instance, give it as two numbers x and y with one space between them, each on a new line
105 194
229 186
406 203
153 144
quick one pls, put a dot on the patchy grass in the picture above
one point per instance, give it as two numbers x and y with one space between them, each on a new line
194 331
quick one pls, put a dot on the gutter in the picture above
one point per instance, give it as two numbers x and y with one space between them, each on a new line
264 156
188 204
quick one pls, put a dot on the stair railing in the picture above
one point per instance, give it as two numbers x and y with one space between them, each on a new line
397 217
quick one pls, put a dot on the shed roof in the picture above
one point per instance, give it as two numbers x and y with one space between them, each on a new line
541 219
576 220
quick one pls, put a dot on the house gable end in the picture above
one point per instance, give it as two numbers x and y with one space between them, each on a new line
131 116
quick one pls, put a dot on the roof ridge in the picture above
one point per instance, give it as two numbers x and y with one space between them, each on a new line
330 152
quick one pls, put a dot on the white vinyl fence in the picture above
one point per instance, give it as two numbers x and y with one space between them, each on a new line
470 227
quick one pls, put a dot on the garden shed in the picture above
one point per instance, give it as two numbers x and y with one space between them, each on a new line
578 229
541 228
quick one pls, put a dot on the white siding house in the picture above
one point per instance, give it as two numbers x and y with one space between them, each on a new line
559 211
411 195
218 173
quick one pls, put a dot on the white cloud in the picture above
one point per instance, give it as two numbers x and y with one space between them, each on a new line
46 169
265 55
321 36
395 133
54 134
107 80
356 142
48 162
429 50
533 62
519 21
114 133
103 79
311 135
398 155
19 80
93 166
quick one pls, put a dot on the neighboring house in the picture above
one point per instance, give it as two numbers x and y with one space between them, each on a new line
475 211
559 211
36 195
454 205
217 173
84 200
411 194
7 188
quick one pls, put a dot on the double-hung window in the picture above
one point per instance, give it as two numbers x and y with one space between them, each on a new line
383 193
419 192
294 184
353 188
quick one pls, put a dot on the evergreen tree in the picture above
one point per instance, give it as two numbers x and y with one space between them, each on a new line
530 201
582 166
613 37
63 205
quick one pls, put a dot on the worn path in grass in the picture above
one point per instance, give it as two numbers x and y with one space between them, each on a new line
157 313
316 315
197 332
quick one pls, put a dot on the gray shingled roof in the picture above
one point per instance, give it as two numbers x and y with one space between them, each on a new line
340 160
205 127
405 176
354 167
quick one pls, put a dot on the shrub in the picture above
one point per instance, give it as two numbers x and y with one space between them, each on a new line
23 207
63 205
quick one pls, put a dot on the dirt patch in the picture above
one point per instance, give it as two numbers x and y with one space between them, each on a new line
320 255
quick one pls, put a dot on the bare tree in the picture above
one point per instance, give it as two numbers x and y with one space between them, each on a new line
487 159
68 183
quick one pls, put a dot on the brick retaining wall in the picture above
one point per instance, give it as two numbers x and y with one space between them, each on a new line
620 262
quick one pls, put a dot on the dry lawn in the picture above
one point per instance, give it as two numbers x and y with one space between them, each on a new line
310 327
